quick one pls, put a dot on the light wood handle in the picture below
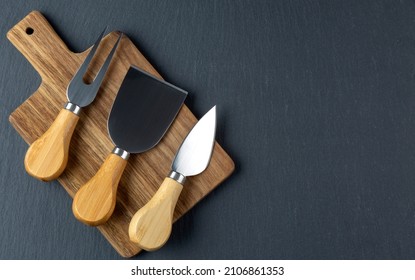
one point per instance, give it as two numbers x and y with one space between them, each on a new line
95 201
151 226
47 157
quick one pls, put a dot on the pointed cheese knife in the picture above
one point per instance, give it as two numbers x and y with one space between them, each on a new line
143 110
150 227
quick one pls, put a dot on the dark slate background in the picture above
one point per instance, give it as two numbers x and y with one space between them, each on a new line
316 104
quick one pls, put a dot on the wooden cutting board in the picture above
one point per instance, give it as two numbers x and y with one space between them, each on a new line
42 47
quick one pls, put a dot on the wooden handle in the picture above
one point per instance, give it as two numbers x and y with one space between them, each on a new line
47 157
95 201
151 226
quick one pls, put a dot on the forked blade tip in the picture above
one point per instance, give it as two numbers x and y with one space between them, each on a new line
119 39
105 30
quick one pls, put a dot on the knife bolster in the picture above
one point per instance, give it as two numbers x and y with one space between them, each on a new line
121 153
71 107
179 178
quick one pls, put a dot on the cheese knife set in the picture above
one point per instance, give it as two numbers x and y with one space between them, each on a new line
143 115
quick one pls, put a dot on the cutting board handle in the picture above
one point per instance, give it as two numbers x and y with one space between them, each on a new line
35 38
94 202
151 226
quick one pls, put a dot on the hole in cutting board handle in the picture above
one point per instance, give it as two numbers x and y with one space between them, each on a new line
29 31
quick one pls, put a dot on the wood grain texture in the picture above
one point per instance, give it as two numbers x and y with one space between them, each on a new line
47 157
95 201
56 64
151 226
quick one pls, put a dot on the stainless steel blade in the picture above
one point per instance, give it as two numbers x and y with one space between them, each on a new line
195 152
143 110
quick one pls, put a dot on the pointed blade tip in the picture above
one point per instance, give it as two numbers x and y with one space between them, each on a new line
213 110
195 153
